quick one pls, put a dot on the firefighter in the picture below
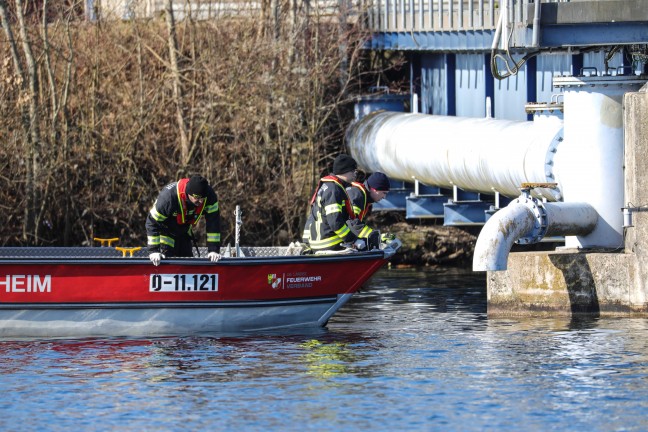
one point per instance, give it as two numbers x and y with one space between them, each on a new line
363 195
332 224
177 209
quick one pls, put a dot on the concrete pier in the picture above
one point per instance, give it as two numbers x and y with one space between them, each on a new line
587 281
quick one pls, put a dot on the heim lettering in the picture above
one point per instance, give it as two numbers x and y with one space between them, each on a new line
26 283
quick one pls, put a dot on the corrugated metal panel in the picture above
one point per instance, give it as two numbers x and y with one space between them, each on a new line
596 60
434 15
433 84
470 85
511 96
549 65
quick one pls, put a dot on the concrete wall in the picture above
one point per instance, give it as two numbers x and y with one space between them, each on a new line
591 11
572 282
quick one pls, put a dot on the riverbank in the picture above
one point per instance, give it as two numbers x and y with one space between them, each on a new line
426 243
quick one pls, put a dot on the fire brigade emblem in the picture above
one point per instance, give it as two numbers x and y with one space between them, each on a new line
274 281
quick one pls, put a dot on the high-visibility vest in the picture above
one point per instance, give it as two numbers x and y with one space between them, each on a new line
365 207
334 179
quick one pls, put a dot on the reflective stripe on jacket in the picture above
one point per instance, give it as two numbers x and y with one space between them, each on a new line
173 215
330 210
362 202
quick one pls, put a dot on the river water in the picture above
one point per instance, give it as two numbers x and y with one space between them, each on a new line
413 351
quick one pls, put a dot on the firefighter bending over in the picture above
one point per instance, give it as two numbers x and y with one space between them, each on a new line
177 209
332 224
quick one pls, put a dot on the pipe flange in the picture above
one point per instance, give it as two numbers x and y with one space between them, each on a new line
540 226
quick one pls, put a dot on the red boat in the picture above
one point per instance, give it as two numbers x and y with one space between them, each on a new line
95 291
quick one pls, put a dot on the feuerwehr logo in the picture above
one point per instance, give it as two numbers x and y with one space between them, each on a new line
274 281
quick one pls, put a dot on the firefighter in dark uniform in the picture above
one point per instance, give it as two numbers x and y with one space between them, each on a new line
363 195
179 206
332 224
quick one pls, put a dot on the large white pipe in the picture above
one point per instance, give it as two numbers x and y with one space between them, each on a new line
527 220
590 161
475 154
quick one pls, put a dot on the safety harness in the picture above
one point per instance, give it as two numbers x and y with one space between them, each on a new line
183 218
347 201
365 207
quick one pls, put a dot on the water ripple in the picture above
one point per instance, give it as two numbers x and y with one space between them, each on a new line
413 351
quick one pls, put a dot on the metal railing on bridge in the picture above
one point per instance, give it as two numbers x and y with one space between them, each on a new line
443 15
382 15
431 15
429 24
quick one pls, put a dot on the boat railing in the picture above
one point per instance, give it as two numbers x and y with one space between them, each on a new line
112 252
68 252
294 249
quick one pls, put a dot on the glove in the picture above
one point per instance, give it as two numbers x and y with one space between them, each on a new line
360 244
387 237
155 258
213 256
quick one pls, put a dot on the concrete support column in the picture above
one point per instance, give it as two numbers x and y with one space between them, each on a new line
635 114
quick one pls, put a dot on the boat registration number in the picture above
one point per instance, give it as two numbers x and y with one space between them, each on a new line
183 282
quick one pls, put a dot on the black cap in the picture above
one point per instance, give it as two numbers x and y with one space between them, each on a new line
343 164
378 181
197 185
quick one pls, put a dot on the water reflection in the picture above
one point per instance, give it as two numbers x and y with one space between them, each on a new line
326 360
413 351
69 356
585 349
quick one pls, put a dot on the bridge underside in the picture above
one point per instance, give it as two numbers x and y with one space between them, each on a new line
452 72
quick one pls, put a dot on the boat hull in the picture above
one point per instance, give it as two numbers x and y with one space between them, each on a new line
82 296
166 319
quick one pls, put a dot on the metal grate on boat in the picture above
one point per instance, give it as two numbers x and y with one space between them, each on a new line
258 251
66 252
111 252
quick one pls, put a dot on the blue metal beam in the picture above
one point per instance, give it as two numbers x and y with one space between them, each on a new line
552 36
395 200
531 82
455 41
489 85
465 213
425 206
594 34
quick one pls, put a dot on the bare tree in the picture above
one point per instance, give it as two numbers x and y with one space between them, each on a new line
59 121
178 94
28 84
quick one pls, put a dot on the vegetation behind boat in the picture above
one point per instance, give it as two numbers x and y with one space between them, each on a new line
90 131
112 117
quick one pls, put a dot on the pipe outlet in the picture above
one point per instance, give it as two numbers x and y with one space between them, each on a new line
498 235
528 220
